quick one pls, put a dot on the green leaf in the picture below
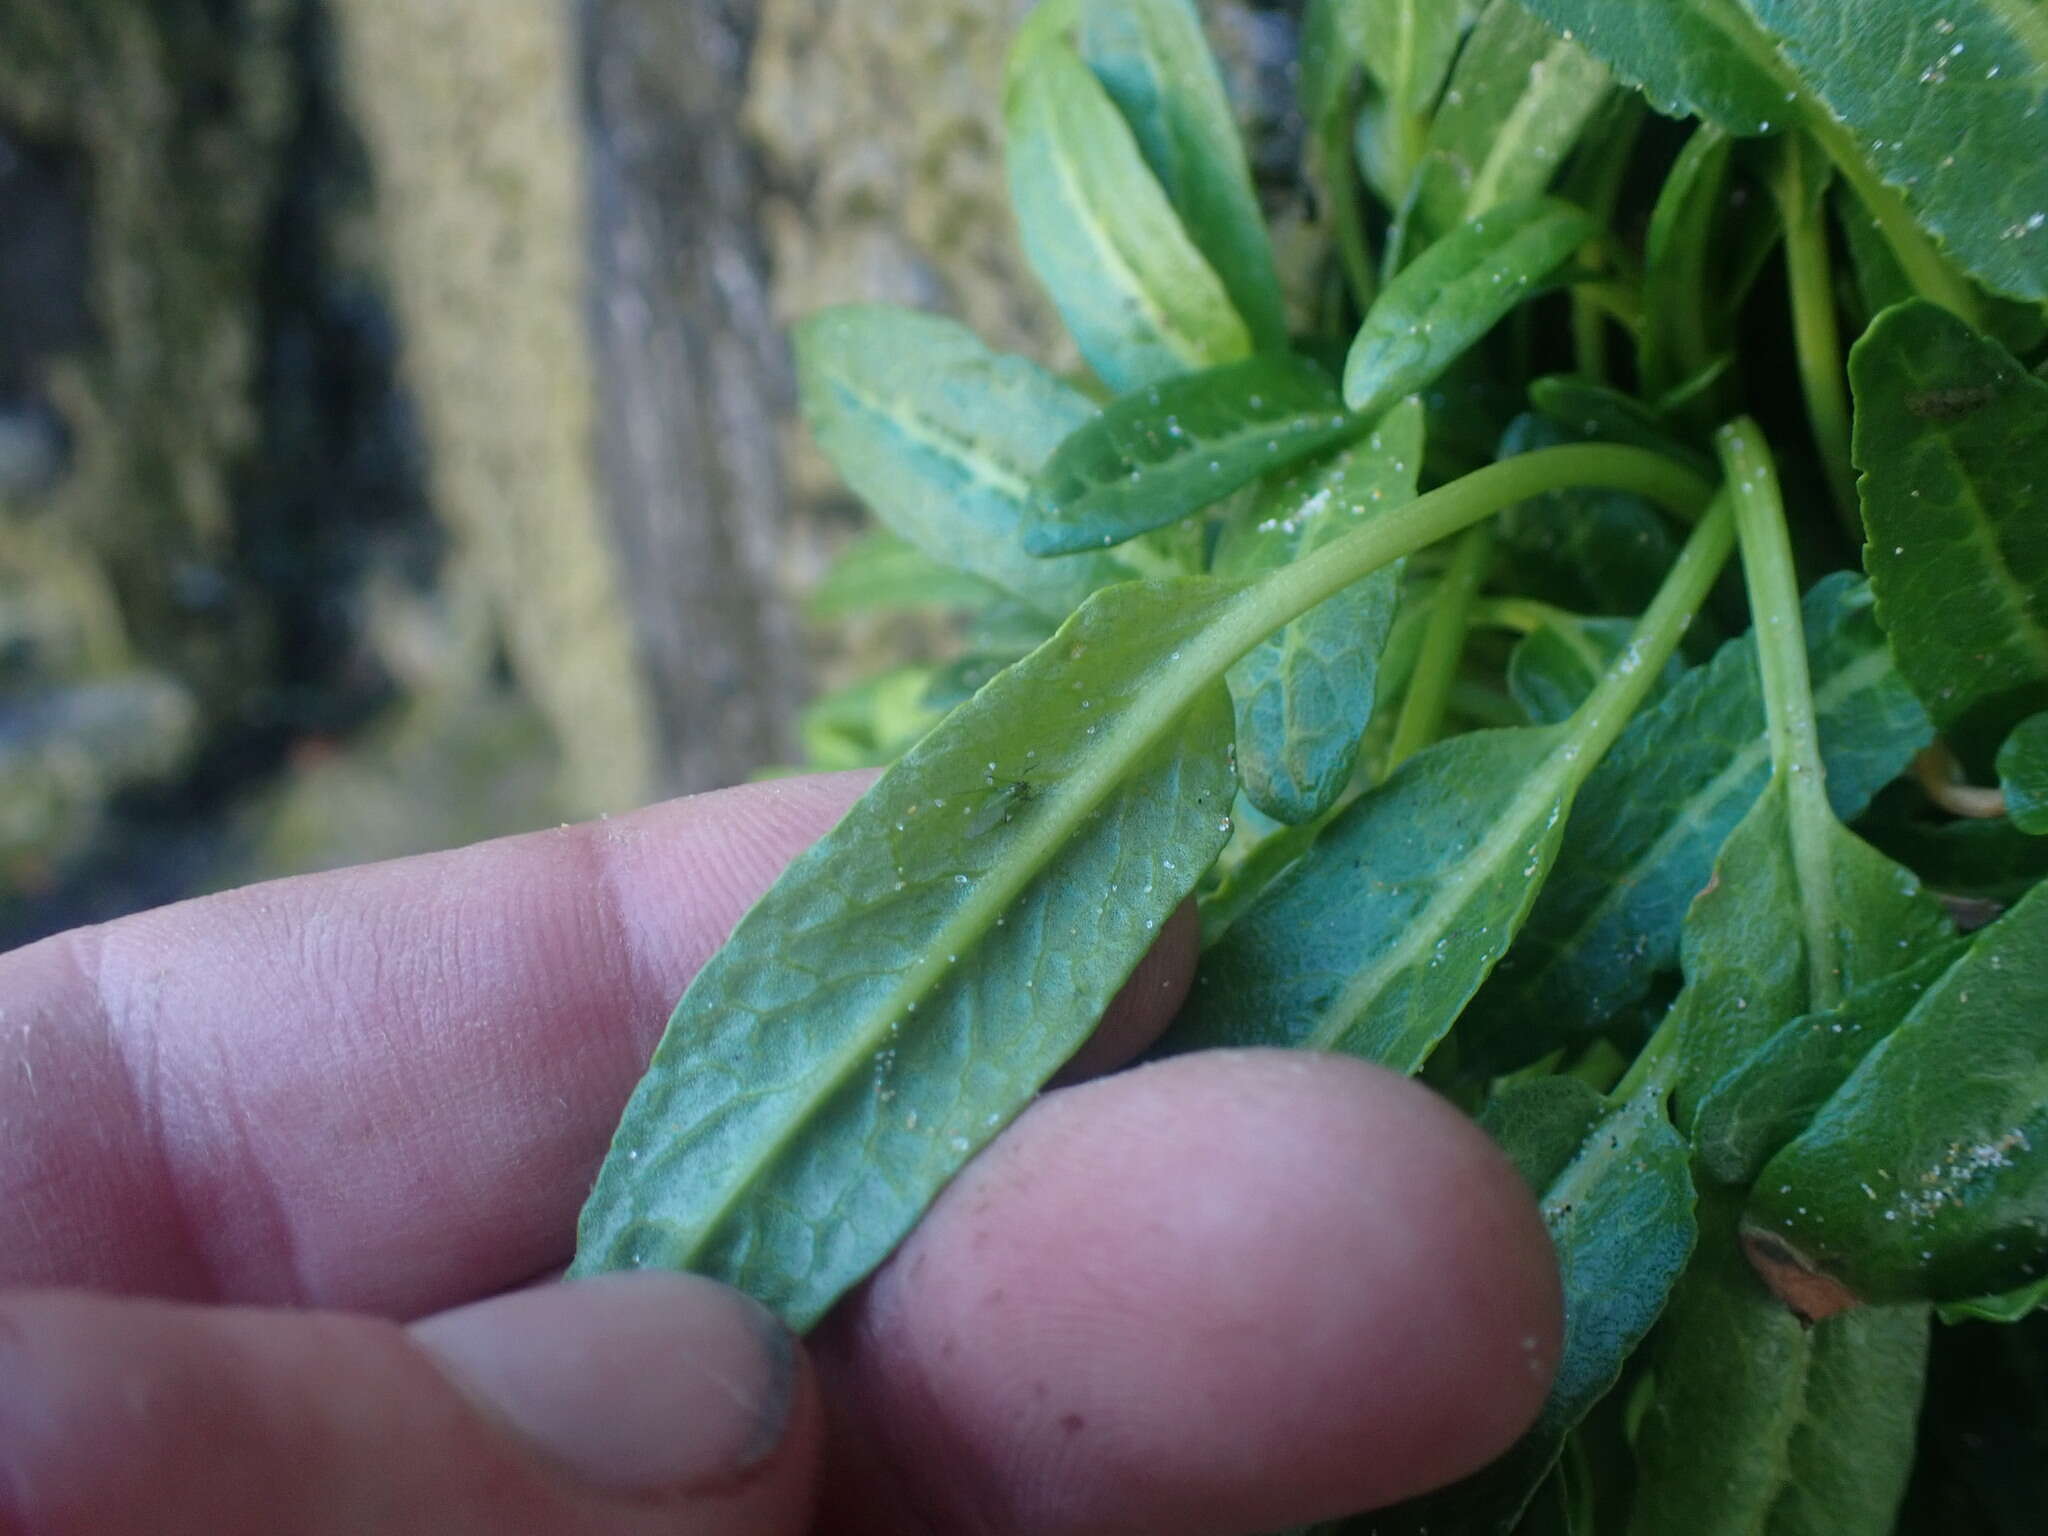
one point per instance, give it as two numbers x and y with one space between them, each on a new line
1656 811
1584 549
1407 46
1518 100
1555 667
1893 89
1952 440
829 1069
1923 1178
880 570
1773 1095
1620 1213
1944 101
1453 294
1152 59
1135 291
1690 57
825 1074
942 438
1305 696
1166 451
1748 953
1681 291
2008 1307
1760 1424
2023 774
1374 940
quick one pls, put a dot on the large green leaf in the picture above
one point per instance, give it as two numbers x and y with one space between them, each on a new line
1454 293
1753 937
1620 1211
1168 450
1151 57
1952 440
942 438
828 1070
912 979
1517 102
1761 1426
1929 108
1690 57
1923 1178
1305 696
1771 1097
1375 939
1655 812
1133 288
1945 100
2023 774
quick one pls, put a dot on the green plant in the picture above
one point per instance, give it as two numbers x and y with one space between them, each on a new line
1396 637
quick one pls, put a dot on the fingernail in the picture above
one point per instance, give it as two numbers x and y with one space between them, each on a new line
636 1383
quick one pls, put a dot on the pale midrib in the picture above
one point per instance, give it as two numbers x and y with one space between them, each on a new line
1747 759
1254 610
1558 80
979 467
2028 25
1546 788
1169 327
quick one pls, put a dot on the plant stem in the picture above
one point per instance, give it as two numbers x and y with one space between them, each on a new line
1788 695
1443 645
1817 338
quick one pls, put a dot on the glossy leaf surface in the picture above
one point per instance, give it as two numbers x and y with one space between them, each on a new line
1305 696
1137 294
1690 57
1453 294
1952 440
1168 450
1151 57
1926 1175
942 437
2023 774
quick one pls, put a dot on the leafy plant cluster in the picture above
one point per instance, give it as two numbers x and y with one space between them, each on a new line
1385 615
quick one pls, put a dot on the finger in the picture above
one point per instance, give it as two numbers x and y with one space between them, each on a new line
387 1088
641 1404
1227 1293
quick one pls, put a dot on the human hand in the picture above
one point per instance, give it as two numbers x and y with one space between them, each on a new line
266 1141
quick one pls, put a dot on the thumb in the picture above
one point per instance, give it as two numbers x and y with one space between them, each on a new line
651 1404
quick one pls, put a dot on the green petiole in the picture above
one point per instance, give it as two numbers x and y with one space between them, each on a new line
1788 693
1443 645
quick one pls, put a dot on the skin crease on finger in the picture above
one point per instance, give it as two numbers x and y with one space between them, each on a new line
1225 1293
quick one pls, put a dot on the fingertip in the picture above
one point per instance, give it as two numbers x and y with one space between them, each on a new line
1225 1292
1145 1005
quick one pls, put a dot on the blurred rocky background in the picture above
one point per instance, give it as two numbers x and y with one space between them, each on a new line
395 411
